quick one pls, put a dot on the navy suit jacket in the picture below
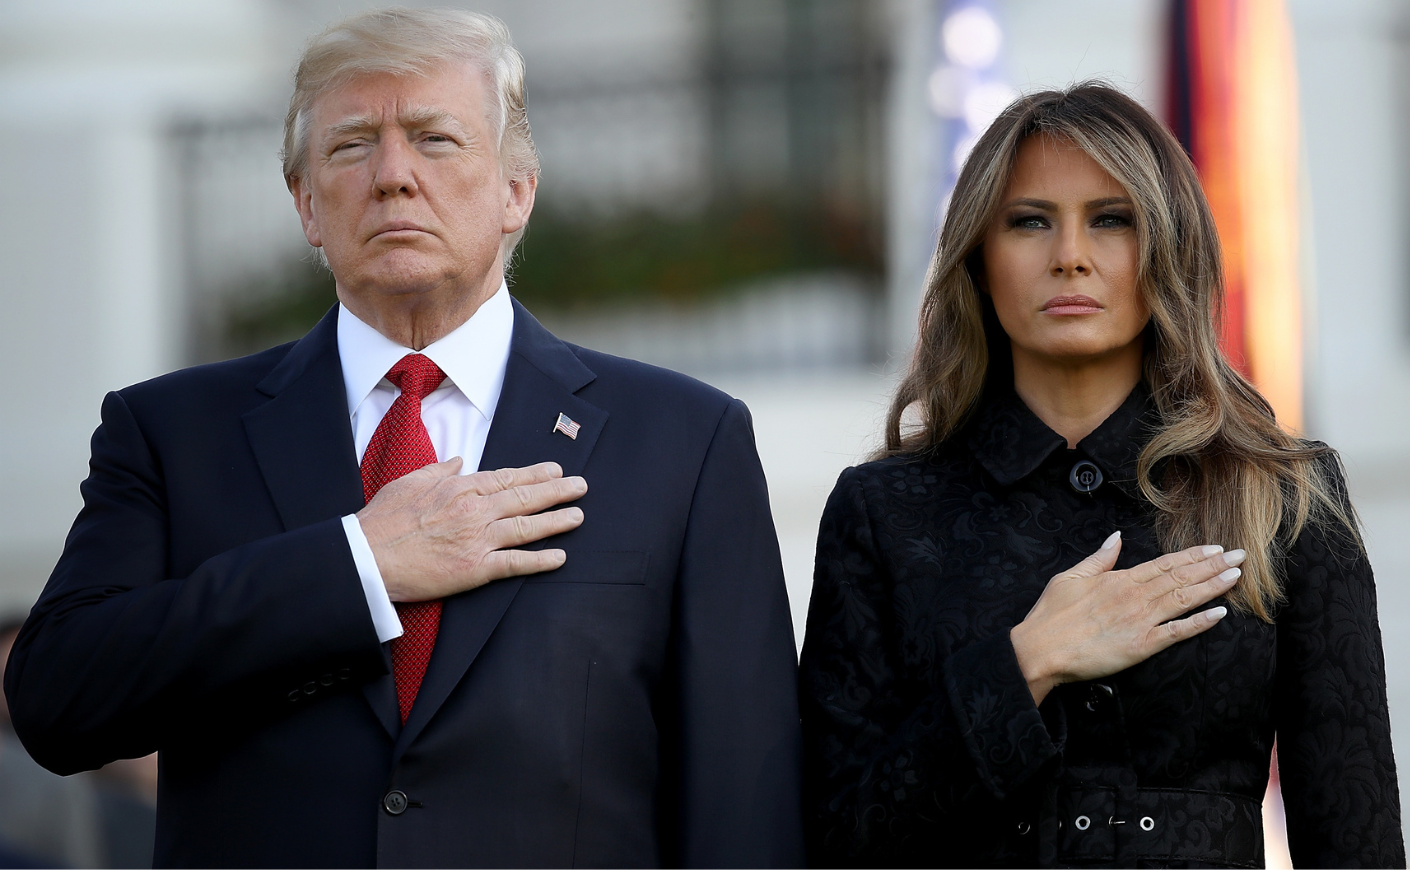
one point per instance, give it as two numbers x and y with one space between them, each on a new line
635 707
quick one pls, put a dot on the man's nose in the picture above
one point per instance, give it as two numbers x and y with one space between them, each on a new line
1072 253
394 171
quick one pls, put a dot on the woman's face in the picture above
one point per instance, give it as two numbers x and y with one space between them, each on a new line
1061 258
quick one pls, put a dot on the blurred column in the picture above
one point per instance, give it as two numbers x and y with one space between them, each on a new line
912 207
90 298
947 88
1353 64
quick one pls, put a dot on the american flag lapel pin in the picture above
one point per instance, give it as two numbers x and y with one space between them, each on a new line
566 425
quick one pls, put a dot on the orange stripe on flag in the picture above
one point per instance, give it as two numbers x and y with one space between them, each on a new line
1244 132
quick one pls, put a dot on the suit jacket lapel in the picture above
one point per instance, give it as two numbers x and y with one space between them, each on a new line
539 383
302 437
302 440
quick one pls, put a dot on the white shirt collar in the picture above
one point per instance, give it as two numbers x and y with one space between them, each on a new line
473 356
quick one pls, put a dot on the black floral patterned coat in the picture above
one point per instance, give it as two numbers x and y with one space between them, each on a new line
924 746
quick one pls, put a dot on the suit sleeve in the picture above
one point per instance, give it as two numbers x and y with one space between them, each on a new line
117 657
1335 761
885 757
732 763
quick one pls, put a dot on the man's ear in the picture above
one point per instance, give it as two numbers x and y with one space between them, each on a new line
518 204
303 203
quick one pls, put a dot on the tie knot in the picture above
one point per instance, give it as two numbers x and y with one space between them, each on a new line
415 375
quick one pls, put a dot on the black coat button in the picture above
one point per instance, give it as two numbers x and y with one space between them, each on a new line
326 679
395 802
1085 476
310 687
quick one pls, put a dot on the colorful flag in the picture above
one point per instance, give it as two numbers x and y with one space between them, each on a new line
1232 101
566 425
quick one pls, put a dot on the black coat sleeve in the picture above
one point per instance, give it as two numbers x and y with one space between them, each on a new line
1333 725
116 656
891 746
731 745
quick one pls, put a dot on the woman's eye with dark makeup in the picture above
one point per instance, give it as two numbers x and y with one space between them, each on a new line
1112 220
1028 222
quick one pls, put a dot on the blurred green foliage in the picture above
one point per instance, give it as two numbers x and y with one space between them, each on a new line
277 311
578 263
569 263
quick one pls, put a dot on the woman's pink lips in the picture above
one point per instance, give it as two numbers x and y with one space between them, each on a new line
1071 305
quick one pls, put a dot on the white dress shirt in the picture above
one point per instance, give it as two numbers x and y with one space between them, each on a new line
457 415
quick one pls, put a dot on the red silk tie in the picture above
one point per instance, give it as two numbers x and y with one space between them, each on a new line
398 447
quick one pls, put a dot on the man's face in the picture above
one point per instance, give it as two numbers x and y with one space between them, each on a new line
404 190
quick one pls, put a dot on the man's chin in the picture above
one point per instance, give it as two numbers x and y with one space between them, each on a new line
396 275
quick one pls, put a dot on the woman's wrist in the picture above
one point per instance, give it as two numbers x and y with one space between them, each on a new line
1035 664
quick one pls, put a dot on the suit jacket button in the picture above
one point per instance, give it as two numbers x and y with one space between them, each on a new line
345 674
395 802
326 679
294 696
310 687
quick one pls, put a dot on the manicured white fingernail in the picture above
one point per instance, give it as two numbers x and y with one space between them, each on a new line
1230 575
1111 541
1234 557
1212 550
1214 614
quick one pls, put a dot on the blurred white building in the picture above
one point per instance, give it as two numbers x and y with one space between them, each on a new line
90 295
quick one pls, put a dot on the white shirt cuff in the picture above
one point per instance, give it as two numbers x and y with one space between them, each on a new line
384 614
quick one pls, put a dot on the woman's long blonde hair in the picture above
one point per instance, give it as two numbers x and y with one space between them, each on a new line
1227 473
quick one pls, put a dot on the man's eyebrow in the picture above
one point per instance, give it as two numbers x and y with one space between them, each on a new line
354 124
414 118
422 117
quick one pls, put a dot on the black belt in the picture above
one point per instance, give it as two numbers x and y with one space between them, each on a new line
1094 826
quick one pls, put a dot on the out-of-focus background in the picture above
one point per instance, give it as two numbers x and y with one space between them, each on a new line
744 190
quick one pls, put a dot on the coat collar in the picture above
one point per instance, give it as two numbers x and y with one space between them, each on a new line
1011 442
